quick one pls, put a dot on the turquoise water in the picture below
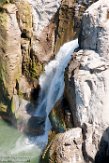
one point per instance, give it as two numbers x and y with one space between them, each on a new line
15 147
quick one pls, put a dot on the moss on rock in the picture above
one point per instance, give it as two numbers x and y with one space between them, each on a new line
36 68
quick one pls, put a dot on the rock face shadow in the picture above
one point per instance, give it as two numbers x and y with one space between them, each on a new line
102 155
35 126
86 134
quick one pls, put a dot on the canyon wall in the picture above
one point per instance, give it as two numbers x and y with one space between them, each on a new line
31 33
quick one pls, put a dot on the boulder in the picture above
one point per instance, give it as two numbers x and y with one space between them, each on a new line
66 147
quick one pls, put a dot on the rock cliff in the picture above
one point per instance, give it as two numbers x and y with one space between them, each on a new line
27 32
87 82
31 32
10 54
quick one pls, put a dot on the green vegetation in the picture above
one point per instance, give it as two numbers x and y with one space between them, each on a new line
32 68
35 69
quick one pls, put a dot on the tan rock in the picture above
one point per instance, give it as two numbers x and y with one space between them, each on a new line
10 51
69 21
24 16
67 147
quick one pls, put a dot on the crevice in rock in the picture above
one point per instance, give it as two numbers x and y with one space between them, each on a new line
102 155
87 157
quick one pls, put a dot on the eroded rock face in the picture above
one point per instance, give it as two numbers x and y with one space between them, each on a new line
95 28
90 77
87 82
67 147
43 11
10 53
69 20
44 28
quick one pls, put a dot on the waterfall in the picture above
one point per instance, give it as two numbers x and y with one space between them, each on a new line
52 85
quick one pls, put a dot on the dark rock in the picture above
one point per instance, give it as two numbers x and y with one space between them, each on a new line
35 126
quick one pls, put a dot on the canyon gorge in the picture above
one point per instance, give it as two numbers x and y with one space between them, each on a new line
55 87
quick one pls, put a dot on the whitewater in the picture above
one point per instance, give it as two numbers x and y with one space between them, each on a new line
52 86
52 89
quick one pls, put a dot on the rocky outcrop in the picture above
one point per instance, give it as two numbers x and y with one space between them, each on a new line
69 20
66 147
31 33
89 78
87 82
44 25
23 53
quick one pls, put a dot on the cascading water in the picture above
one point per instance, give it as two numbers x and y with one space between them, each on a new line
19 148
52 85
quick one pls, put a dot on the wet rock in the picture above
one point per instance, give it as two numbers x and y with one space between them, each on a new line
57 117
35 126
26 122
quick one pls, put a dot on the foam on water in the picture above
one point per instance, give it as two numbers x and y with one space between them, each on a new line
52 88
26 145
